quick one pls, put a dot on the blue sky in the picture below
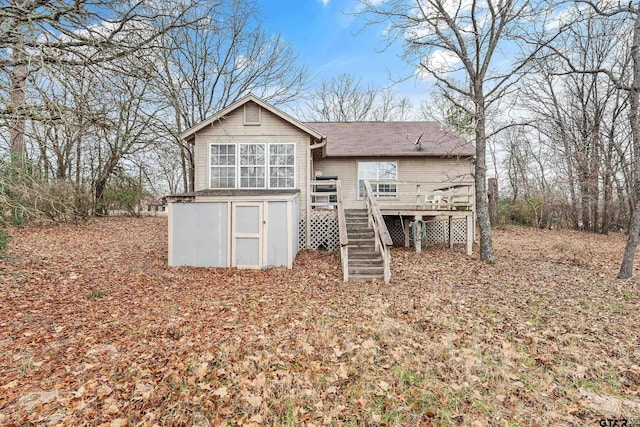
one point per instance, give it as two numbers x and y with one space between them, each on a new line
331 42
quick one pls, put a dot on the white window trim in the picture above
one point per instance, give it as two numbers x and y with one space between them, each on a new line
295 166
358 196
267 146
210 166
239 166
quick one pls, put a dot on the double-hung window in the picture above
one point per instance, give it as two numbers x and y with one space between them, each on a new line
378 171
253 165
282 166
223 166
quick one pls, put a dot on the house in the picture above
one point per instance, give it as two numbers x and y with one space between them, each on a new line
268 185
155 205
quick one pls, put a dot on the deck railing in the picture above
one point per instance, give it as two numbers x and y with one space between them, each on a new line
327 194
323 194
383 241
425 195
342 227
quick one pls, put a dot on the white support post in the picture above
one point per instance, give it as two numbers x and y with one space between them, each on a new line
407 233
417 239
170 237
308 219
469 234
450 232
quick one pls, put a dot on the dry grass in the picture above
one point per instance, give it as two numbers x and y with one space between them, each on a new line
95 329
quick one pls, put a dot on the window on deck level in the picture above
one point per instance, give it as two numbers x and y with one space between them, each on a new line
378 171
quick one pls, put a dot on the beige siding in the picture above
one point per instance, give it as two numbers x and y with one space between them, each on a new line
232 129
414 169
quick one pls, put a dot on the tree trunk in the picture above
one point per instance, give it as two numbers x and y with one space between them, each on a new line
192 168
575 207
482 203
492 194
626 267
18 77
607 201
99 188
183 165
585 213
595 175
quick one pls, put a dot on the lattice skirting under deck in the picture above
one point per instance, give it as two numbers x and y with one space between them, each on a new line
324 230
437 231
325 234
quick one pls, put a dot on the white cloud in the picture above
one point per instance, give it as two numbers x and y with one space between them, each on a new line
564 16
324 2
440 62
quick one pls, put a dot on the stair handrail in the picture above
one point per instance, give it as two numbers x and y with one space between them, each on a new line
383 241
342 230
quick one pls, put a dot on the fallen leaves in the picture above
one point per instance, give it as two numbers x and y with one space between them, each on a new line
542 337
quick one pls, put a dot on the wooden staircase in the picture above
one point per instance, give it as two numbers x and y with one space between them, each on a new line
364 262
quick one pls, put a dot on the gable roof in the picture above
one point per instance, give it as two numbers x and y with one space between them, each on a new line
391 139
239 103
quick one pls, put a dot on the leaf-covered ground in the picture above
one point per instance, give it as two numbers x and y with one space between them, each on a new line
95 329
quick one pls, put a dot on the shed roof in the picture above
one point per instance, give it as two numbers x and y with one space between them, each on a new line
224 192
391 139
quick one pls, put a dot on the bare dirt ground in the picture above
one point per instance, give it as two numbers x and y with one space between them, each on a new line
95 329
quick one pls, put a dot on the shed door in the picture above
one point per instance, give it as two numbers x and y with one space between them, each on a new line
247 235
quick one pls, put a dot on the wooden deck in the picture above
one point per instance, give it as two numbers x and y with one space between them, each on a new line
416 203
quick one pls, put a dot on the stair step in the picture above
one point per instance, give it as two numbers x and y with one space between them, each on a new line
353 263
356 240
366 270
362 247
360 230
359 226
364 262
361 251
366 234
365 277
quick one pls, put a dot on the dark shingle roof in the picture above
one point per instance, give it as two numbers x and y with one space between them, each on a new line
390 139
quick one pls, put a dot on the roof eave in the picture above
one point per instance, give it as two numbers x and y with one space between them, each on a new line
420 154
235 105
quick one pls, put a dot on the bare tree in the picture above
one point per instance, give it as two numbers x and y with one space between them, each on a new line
577 115
346 98
389 106
38 33
448 40
208 65
342 99
63 98
622 14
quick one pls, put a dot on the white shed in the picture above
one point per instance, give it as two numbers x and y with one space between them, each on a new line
244 229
